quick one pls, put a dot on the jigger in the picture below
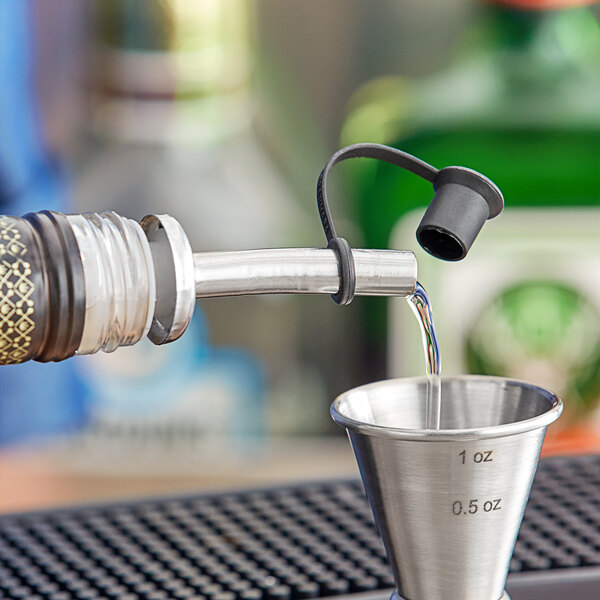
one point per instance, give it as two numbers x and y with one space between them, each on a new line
448 503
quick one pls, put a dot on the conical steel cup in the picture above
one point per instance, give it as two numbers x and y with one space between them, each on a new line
448 503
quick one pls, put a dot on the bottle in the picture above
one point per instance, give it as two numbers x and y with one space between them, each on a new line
172 130
520 103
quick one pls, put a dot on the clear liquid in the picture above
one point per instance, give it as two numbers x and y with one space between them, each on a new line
420 305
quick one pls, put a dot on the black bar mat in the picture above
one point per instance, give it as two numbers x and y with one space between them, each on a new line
289 543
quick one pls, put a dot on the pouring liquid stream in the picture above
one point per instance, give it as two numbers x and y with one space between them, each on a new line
421 307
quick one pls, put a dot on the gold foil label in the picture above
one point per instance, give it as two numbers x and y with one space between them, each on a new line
16 289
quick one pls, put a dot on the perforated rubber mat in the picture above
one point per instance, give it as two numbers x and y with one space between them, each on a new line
308 541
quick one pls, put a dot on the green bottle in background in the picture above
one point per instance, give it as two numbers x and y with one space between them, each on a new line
522 105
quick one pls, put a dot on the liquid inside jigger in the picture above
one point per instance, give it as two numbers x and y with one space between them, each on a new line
421 307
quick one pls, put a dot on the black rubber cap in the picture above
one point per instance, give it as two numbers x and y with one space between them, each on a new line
464 200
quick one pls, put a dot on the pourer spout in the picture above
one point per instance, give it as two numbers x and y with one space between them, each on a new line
302 271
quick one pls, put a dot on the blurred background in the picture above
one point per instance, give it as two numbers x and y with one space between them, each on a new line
222 114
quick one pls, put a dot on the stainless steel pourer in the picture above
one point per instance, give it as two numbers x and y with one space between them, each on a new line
76 284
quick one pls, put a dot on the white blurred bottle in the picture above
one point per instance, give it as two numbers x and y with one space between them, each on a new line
172 130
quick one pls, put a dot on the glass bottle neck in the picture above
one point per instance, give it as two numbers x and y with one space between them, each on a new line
174 71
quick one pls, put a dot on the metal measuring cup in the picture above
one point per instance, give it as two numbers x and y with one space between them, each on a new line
448 503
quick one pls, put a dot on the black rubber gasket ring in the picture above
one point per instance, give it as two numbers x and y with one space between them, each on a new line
63 277
347 271
339 245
